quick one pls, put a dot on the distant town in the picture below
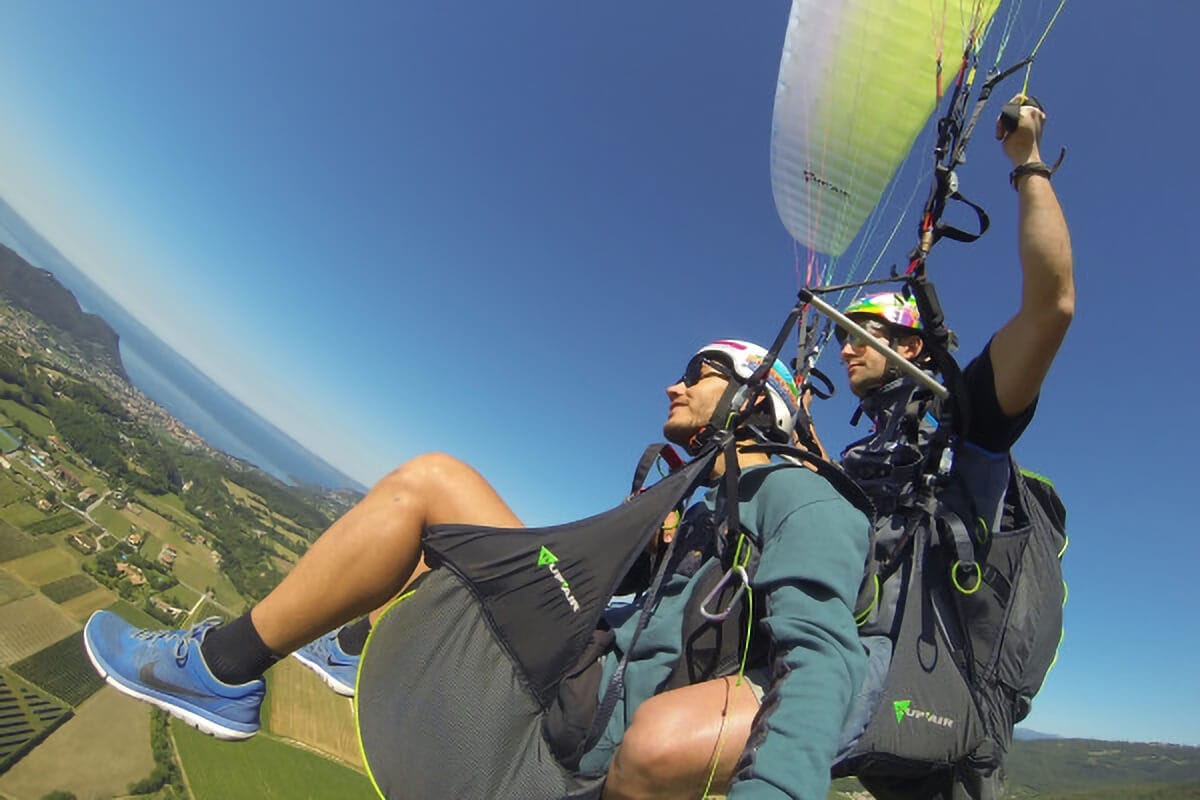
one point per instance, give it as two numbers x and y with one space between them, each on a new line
33 335
107 501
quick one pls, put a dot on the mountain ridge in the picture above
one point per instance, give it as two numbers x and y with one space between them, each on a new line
39 292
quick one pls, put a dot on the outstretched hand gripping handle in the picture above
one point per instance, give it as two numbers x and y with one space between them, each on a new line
1010 114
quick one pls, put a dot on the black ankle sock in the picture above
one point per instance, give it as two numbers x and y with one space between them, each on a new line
235 652
352 638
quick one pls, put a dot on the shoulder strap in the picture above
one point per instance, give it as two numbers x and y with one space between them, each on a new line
652 454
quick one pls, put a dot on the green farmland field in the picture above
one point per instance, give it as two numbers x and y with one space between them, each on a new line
15 544
134 615
38 425
112 520
64 589
262 768
169 507
21 514
27 715
12 587
62 521
44 566
63 670
11 489
30 625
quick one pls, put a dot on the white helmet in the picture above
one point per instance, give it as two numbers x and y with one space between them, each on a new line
744 358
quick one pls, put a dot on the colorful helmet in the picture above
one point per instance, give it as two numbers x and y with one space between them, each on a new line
892 307
744 358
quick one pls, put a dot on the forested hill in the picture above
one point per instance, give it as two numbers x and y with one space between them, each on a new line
38 292
1089 768
1086 769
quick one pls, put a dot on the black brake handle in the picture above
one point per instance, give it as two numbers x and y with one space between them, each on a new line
1010 114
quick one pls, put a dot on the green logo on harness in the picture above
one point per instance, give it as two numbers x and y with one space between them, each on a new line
903 708
549 561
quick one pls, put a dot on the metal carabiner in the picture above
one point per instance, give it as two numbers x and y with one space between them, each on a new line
723 615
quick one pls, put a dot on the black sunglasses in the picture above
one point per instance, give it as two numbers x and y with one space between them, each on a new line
693 374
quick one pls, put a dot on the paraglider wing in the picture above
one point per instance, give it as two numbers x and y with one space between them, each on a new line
857 82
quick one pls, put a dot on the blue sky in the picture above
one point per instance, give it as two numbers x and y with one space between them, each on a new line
500 232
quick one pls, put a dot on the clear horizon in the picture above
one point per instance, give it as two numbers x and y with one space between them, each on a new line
399 229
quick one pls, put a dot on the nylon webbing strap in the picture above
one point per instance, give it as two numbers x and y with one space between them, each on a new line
646 462
943 231
616 686
733 520
888 568
985 91
938 338
724 441
953 532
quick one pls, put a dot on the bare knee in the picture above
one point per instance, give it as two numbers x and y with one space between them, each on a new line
649 763
422 476
441 489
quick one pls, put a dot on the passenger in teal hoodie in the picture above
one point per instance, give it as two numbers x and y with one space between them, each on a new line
782 718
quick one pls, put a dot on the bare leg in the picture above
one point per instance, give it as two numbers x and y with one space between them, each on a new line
669 749
365 557
417 572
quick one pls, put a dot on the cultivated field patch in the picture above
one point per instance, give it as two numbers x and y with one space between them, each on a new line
201 572
26 717
95 755
263 768
168 509
114 521
63 670
184 597
11 489
286 553
196 571
41 568
12 587
207 609
22 514
301 707
282 565
64 589
56 523
241 493
29 625
134 615
38 425
15 543
81 607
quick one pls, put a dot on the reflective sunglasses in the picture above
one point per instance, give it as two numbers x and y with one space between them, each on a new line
880 330
693 374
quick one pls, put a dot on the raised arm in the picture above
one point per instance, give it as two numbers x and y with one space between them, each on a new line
1023 349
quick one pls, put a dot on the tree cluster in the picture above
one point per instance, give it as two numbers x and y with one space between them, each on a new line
166 774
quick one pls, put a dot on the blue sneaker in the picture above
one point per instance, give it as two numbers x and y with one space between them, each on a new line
166 669
334 665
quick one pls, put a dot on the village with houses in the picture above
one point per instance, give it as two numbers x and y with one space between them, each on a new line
107 502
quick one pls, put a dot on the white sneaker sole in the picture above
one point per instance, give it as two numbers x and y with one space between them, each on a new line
330 681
